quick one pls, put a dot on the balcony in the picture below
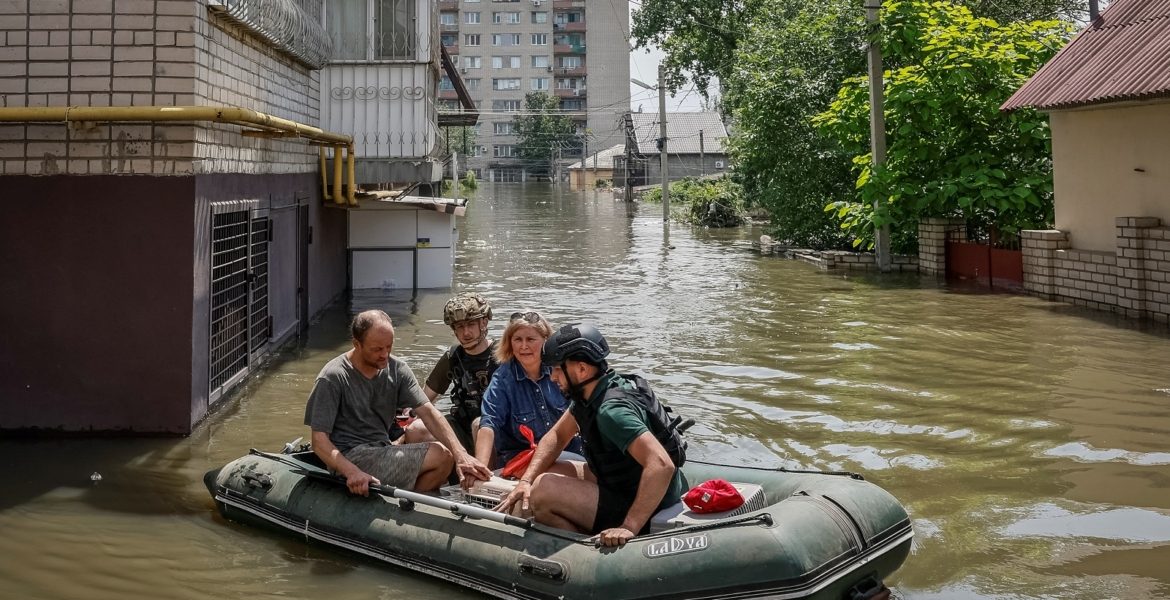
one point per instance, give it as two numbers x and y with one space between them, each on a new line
450 94
570 93
449 27
567 4
577 26
452 49
448 4
568 48
580 71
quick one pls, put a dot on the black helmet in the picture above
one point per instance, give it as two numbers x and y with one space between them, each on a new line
575 342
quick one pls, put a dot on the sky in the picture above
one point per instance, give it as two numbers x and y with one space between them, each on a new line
644 67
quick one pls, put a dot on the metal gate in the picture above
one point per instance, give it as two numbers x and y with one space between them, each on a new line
240 326
990 259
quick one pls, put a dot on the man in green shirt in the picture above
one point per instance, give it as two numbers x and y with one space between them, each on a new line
631 451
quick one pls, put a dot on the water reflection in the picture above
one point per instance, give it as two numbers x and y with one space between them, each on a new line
1026 438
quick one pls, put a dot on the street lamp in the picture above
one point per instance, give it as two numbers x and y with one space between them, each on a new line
661 87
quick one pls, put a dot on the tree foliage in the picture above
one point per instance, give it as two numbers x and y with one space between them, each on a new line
950 151
788 70
708 202
698 37
541 130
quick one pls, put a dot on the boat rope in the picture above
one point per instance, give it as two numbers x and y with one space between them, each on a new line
848 474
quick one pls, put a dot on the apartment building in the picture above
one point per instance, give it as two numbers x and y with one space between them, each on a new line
576 50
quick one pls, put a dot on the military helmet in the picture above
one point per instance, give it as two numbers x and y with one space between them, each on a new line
576 341
465 306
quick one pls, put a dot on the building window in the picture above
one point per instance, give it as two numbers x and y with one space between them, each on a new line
449 39
472 62
540 61
472 83
505 39
471 18
505 62
505 128
570 62
372 29
540 84
540 39
506 105
448 18
504 151
471 39
445 83
569 17
506 17
539 17
506 83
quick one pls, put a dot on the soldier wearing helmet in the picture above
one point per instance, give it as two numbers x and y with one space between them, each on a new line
465 368
632 448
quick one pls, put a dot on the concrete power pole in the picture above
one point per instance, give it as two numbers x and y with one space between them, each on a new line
1094 11
662 142
877 121
702 156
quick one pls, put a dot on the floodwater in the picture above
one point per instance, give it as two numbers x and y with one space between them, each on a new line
1027 439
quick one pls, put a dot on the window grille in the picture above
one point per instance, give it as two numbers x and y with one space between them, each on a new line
240 326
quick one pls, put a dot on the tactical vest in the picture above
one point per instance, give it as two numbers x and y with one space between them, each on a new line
616 469
467 393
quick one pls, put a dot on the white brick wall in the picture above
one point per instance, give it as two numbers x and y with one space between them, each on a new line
143 53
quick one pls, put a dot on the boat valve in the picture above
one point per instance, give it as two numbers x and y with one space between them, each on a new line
406 505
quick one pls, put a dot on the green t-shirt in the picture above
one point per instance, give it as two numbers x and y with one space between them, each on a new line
620 422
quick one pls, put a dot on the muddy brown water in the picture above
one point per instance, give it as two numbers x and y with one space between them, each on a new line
1028 440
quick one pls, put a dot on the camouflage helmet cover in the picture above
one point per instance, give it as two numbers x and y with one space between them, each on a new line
465 306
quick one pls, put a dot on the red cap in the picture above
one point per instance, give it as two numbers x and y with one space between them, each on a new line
715 495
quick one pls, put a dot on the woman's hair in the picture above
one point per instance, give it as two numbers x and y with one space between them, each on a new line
516 321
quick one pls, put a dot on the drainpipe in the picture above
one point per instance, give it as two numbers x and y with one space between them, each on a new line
324 174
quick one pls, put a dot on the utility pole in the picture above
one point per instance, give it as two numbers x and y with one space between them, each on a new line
877 121
1094 11
584 155
454 175
662 142
629 195
702 156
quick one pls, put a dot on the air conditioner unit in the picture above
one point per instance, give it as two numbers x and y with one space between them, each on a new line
463 70
536 2
718 164
550 69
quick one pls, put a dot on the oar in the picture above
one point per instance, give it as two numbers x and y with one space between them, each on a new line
409 498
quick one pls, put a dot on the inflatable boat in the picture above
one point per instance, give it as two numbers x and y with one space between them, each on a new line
799 534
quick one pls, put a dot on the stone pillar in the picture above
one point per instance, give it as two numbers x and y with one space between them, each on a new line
1038 247
1141 278
932 243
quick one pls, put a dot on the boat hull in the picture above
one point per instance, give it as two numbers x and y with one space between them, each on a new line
819 537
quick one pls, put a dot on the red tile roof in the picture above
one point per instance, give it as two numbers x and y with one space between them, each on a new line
1124 55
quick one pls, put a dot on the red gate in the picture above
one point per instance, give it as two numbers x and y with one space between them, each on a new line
987 263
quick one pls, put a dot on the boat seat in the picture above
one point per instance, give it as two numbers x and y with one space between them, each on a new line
679 515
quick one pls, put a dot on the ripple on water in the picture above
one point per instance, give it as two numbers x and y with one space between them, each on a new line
1133 525
1083 452
750 372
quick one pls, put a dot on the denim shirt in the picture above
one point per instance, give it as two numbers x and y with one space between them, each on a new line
512 400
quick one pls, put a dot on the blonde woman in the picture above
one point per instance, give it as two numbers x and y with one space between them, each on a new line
521 392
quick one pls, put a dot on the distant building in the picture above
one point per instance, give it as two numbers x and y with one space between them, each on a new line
1106 94
696 144
575 50
167 222
585 173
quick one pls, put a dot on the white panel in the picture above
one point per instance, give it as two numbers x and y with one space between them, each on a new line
438 227
382 228
436 267
383 269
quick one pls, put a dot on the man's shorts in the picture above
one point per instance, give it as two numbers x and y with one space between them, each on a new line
397 466
611 510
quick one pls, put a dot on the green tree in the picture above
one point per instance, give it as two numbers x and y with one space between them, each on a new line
698 37
950 151
541 130
789 68
457 139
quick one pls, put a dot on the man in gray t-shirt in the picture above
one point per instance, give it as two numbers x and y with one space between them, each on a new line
352 408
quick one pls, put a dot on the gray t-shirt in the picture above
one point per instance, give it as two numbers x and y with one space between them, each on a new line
355 410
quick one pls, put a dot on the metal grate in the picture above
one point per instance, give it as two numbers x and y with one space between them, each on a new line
240 325
229 296
259 301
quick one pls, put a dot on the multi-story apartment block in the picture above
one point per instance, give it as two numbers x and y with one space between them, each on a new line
576 50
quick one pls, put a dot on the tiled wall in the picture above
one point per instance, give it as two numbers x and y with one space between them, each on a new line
143 53
1134 280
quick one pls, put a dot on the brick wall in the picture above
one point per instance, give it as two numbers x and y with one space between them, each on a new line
932 243
1134 281
144 53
